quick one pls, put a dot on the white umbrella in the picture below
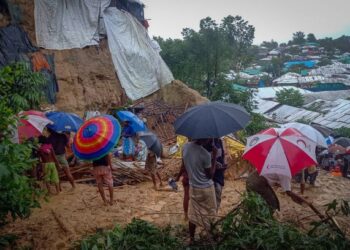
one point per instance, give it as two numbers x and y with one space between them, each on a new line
309 132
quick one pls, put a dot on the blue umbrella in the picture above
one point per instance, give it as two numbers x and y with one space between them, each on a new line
136 123
64 122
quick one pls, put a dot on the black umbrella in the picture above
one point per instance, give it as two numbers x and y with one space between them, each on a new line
152 142
342 141
212 120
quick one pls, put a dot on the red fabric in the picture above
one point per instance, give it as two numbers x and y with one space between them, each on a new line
257 155
291 132
39 62
269 131
26 130
297 158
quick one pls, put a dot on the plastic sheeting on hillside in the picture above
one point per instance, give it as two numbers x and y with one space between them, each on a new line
67 24
140 68
14 42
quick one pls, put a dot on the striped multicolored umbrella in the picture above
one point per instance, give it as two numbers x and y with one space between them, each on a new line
96 137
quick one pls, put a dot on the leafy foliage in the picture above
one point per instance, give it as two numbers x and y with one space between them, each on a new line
201 57
298 38
19 89
343 131
252 226
249 225
290 97
138 234
257 124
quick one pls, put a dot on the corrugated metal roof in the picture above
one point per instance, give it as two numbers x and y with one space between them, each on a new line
262 106
332 114
270 92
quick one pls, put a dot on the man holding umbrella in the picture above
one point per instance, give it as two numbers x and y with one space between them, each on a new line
209 120
202 205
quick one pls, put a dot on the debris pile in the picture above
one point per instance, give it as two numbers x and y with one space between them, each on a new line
124 173
159 117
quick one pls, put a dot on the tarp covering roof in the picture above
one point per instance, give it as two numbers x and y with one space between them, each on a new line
270 92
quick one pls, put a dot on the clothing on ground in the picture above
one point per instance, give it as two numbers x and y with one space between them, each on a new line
197 159
50 173
202 206
282 180
103 174
151 163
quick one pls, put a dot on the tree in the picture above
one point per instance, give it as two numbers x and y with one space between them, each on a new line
291 97
311 38
240 35
298 38
20 89
201 58
270 45
343 132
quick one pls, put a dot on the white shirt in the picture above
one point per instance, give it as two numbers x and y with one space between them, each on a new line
282 180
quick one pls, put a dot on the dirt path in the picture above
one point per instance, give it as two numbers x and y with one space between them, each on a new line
71 215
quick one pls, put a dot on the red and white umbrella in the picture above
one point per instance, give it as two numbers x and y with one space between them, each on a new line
31 124
283 151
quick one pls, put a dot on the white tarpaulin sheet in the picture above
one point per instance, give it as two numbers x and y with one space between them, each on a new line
140 68
67 24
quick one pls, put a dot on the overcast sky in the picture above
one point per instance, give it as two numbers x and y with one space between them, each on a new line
272 19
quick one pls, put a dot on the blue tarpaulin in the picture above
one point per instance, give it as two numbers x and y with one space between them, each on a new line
309 64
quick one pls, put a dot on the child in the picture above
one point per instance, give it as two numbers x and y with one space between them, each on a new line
102 170
50 165
151 167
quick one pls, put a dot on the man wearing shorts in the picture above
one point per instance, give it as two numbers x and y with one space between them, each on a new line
59 143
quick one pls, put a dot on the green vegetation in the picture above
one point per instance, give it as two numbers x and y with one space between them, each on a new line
201 57
290 97
138 234
257 124
343 131
20 89
249 225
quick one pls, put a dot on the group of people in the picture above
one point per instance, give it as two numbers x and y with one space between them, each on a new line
51 152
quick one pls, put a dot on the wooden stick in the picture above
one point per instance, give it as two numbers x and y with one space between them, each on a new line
60 222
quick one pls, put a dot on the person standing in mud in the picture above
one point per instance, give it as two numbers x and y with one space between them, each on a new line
202 200
219 174
59 143
102 170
